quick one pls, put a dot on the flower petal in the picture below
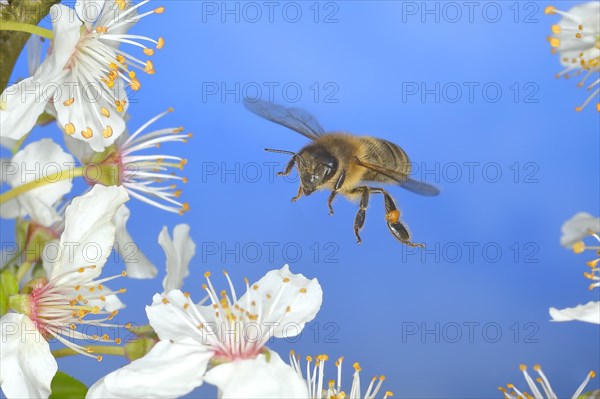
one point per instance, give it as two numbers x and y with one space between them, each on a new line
589 312
179 252
257 378
138 266
170 320
575 229
88 11
23 102
89 233
26 364
288 305
38 161
169 370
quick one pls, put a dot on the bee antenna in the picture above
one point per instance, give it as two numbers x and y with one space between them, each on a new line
287 152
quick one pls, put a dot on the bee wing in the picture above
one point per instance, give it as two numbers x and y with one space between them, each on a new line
292 118
415 186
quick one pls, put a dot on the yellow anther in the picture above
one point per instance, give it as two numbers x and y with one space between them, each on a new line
184 208
135 84
104 112
554 42
113 67
148 51
286 280
382 378
184 179
165 301
118 341
309 359
357 366
122 290
108 132
537 367
550 10
101 29
95 310
579 246
69 128
131 74
99 357
186 305
121 4
303 290
207 274
103 298
87 133
522 367
149 68
578 35
556 29
592 374
123 273
128 325
69 102
159 10
120 59
81 270
161 43
73 326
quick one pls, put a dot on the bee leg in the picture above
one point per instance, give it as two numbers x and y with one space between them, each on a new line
338 184
359 220
298 195
330 200
288 168
392 218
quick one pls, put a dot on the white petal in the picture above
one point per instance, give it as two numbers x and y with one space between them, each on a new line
26 364
23 102
575 229
88 11
89 233
171 320
67 31
37 161
169 370
303 306
85 112
81 149
179 252
589 312
138 266
257 378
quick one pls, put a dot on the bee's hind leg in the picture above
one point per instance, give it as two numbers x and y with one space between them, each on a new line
392 218
359 220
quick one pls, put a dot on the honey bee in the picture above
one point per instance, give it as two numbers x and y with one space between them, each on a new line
344 164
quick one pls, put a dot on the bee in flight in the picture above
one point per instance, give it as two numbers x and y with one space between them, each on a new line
344 164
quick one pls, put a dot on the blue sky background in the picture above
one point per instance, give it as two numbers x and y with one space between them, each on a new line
363 66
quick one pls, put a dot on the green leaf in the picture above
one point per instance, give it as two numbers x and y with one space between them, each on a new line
66 387
8 286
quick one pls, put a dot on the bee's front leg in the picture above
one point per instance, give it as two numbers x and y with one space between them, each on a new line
338 184
298 195
288 168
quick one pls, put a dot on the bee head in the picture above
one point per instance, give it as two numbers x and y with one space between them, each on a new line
315 167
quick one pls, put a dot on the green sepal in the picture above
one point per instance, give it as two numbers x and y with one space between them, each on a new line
590 395
139 348
8 286
64 386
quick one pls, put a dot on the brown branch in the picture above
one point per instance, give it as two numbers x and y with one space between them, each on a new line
12 43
